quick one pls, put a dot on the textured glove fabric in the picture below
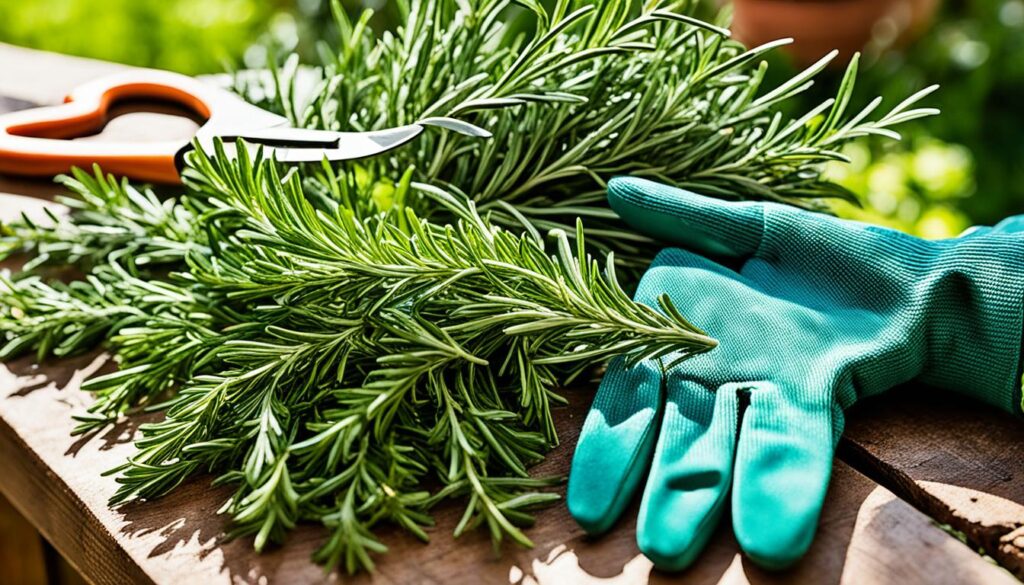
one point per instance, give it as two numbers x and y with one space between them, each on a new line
811 313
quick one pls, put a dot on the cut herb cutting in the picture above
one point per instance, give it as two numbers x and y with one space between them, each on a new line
351 342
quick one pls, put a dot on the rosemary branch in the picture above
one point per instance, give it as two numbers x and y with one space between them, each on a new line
600 88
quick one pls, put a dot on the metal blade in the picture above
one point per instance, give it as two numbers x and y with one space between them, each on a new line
352 145
296 145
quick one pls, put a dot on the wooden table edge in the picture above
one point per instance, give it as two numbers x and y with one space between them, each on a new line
50 507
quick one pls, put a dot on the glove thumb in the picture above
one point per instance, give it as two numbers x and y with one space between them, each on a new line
702 224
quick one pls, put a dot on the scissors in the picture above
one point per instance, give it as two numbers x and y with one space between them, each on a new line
34 142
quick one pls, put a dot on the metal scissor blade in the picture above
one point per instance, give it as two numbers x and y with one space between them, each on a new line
352 145
292 145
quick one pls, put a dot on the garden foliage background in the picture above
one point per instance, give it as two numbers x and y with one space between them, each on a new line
963 167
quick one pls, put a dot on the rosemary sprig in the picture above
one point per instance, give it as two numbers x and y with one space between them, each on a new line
308 344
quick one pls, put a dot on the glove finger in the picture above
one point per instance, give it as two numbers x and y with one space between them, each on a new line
702 224
690 475
783 464
615 445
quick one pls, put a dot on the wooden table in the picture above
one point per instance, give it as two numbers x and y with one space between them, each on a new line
910 462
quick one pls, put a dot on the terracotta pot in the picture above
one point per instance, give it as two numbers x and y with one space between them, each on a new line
818 26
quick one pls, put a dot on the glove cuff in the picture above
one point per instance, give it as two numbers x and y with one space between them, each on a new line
975 347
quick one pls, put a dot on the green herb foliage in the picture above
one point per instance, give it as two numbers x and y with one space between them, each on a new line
601 88
328 363
350 344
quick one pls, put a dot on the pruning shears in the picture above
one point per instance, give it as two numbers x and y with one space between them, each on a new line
35 142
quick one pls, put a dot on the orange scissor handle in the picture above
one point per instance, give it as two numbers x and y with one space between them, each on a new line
34 142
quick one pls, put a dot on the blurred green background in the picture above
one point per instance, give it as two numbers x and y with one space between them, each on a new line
965 166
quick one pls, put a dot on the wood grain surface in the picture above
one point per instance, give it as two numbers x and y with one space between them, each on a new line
866 533
22 558
955 460
959 462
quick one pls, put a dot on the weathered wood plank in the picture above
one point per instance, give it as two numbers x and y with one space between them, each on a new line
21 549
866 533
958 461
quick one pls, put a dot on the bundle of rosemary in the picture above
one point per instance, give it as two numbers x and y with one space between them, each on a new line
349 344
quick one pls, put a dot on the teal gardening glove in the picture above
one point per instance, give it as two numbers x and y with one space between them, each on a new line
821 312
